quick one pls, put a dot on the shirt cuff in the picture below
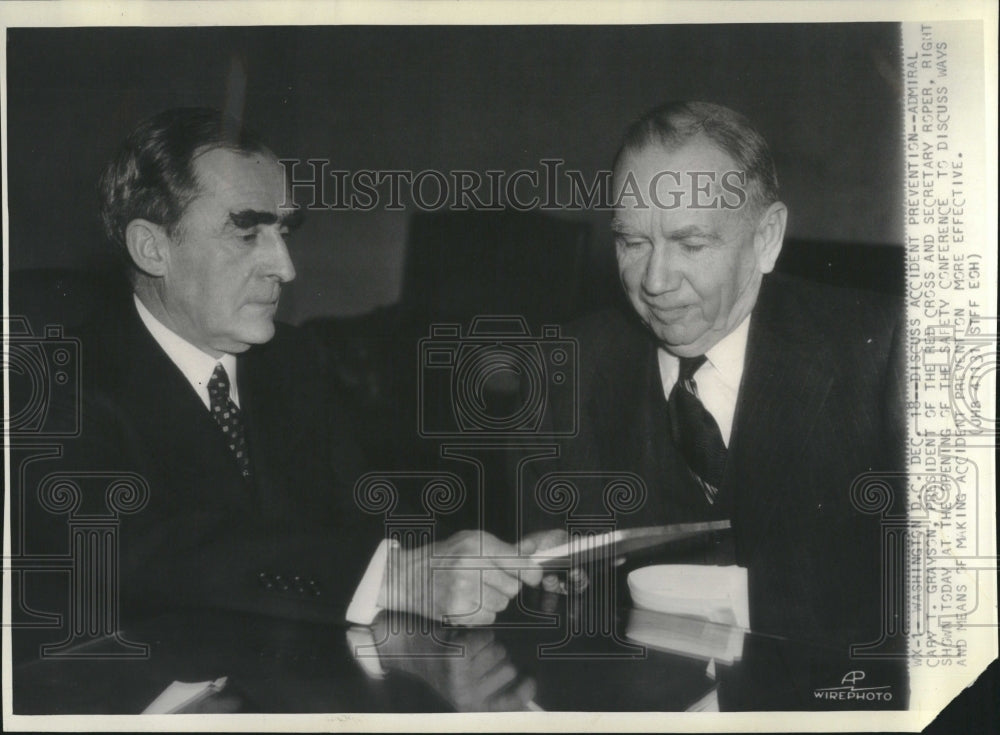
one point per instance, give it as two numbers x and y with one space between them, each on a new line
364 605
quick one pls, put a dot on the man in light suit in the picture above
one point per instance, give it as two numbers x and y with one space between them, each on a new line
733 392
230 418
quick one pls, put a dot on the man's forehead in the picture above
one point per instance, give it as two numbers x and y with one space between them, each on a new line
697 154
657 185
241 181
674 224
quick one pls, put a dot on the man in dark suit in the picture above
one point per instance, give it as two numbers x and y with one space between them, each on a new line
735 393
230 418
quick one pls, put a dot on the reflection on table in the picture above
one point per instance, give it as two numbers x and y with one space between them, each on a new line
548 652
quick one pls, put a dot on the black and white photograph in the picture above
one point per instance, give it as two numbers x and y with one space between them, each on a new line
424 366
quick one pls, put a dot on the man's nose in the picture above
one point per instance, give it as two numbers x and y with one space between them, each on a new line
279 263
662 272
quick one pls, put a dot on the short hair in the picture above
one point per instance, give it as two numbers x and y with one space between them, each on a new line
152 175
673 124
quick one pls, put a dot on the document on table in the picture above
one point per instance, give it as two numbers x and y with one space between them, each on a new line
620 543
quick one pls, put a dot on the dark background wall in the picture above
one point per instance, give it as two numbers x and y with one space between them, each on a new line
826 96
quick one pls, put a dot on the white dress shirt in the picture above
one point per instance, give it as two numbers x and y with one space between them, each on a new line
197 366
718 380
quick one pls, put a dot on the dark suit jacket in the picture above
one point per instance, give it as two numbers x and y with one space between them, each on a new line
820 403
288 543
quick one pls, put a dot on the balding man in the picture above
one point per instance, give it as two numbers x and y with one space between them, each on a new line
737 393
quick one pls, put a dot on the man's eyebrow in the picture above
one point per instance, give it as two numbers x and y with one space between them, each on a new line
692 231
620 228
247 219
292 219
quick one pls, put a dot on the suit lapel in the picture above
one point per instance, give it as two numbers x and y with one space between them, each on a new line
254 403
269 384
164 406
787 375
633 405
646 414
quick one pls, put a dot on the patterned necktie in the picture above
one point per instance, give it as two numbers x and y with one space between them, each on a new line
695 432
227 415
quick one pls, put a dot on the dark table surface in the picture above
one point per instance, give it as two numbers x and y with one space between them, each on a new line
548 651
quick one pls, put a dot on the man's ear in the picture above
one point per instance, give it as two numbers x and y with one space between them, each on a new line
148 246
769 236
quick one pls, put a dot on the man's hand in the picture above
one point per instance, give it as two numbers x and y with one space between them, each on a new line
466 579
480 679
483 679
552 582
576 578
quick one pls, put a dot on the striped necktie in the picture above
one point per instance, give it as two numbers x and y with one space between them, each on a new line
695 432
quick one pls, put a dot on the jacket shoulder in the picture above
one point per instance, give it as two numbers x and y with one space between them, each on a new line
608 338
836 313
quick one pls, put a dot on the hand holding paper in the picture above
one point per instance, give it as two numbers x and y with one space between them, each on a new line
465 579
555 550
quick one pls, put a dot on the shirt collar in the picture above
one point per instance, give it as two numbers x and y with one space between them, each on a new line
196 365
727 355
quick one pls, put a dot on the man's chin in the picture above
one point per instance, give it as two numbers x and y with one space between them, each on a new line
258 334
679 342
